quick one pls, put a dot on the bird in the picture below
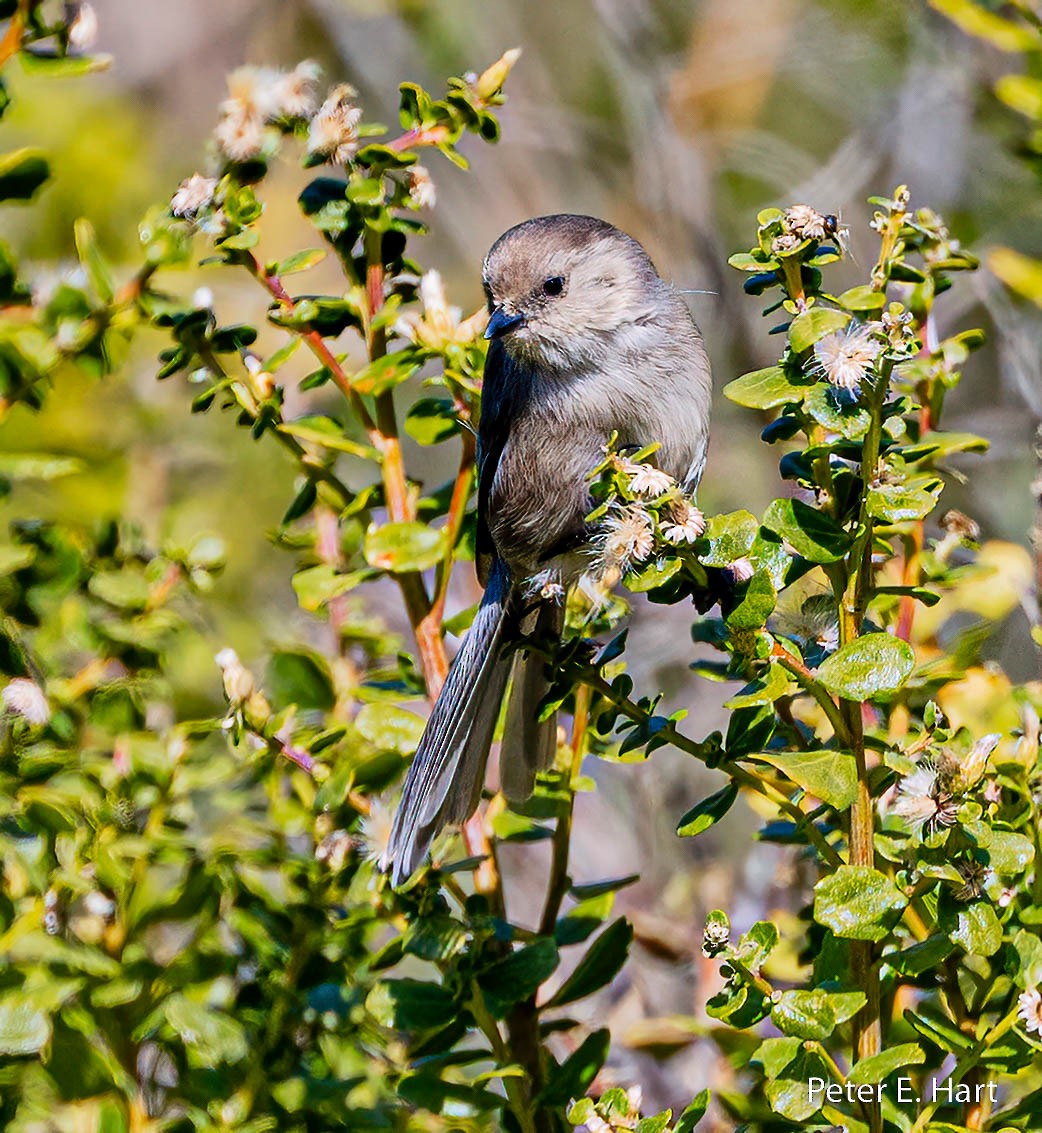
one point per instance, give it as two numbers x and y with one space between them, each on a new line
586 342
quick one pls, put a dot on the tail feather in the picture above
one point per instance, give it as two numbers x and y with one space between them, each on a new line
445 779
529 744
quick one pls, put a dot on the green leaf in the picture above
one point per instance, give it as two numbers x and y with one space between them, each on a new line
921 957
63 66
812 325
940 1032
693 1113
811 533
93 264
211 1034
1028 947
596 888
872 665
22 172
390 728
764 389
385 373
788 1094
123 588
404 547
978 21
869 1071
764 690
977 929
518 976
23 1028
858 903
830 775
757 944
574 1076
14 558
863 298
37 466
899 503
317 585
1018 272
804 1014
775 1054
708 812
300 261
730 537
599 966
756 601
411 1005
839 415
432 420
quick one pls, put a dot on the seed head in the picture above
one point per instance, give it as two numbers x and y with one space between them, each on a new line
193 195
333 134
421 187
805 223
23 697
627 537
925 797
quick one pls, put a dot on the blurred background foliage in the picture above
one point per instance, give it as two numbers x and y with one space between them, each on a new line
676 120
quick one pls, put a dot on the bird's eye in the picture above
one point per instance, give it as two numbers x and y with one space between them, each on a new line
554 285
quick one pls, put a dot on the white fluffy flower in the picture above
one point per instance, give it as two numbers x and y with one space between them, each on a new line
193 194
1029 1009
847 357
333 134
647 480
925 797
682 522
421 187
23 697
628 537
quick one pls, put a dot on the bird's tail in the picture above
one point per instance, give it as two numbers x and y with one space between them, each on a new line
445 780
530 744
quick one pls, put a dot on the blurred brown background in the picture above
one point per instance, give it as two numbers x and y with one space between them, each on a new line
676 120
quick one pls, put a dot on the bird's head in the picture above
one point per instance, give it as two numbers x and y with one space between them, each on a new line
559 288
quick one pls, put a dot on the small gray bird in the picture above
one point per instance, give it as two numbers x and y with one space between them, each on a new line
586 341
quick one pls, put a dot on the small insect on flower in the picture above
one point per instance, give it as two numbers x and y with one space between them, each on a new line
925 798
23 697
333 134
421 187
1029 1010
682 522
647 480
847 357
627 537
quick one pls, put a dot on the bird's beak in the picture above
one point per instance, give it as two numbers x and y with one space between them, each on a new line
500 323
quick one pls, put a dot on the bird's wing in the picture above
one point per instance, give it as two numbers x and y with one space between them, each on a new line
498 392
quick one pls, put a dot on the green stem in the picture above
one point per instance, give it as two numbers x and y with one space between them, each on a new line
516 1094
